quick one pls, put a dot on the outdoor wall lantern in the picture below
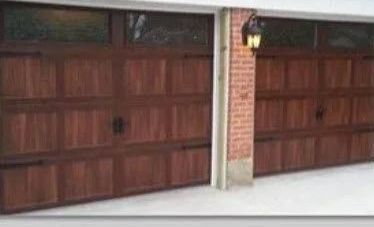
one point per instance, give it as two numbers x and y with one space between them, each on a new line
251 33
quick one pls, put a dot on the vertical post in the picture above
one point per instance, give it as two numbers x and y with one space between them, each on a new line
222 96
2 199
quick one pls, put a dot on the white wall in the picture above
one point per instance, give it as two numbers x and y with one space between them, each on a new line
345 10
348 10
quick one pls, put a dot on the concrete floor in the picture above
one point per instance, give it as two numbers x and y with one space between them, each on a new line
347 190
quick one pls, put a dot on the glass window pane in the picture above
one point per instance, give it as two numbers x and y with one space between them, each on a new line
347 36
166 29
286 33
66 25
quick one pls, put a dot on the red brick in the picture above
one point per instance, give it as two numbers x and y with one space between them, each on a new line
241 91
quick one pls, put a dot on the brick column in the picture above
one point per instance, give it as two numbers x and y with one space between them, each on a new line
241 103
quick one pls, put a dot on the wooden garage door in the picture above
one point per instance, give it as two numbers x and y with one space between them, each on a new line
104 108
314 108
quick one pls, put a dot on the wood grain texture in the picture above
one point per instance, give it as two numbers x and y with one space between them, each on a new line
143 173
29 186
88 128
337 73
145 76
268 115
268 157
27 77
270 74
87 77
336 112
362 146
190 166
191 76
191 121
29 133
333 150
299 153
363 110
300 113
364 73
87 179
146 124
302 74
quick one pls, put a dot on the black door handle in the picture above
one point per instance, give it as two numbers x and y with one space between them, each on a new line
320 112
323 111
118 125
115 127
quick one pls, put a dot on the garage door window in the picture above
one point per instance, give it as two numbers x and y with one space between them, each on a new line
285 33
166 29
348 36
58 25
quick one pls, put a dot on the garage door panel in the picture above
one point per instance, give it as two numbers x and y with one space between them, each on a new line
363 110
191 76
29 132
87 77
88 179
87 128
268 114
145 76
269 74
337 111
302 74
364 73
267 157
27 77
299 153
362 146
27 187
143 172
319 102
191 121
337 73
300 113
146 124
190 166
107 115
333 150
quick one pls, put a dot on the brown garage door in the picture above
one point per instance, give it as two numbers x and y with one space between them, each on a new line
314 101
98 104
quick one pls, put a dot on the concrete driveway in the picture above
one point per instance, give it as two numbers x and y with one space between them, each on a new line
347 190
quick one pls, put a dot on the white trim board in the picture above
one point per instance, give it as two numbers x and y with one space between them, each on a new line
214 168
129 5
346 10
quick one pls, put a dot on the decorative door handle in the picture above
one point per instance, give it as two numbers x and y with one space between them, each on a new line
118 126
320 112
121 125
115 126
